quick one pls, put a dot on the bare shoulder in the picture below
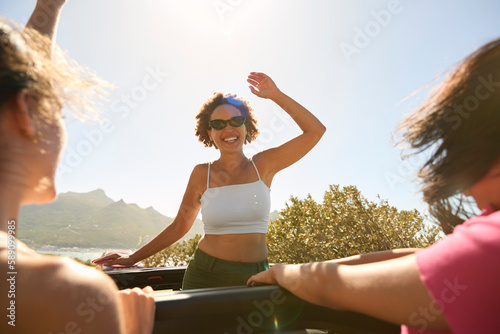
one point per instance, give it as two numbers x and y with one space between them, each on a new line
200 170
261 161
199 174
197 182
58 295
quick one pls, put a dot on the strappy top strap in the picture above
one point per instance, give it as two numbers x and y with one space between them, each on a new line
253 163
208 174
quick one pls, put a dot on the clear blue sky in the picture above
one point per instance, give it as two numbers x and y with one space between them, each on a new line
350 62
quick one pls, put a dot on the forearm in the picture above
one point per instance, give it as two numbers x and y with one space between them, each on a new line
329 283
375 256
389 290
303 117
310 281
45 18
164 239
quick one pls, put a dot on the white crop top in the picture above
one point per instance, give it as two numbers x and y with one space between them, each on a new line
237 208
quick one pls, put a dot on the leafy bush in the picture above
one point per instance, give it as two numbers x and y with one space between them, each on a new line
345 224
176 255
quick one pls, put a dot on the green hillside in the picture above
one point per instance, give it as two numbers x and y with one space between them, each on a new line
92 220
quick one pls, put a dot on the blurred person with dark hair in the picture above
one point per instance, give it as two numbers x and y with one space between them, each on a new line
451 286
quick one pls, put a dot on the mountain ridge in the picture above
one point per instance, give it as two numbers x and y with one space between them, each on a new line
92 219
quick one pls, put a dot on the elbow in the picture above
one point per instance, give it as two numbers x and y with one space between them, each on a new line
180 228
322 130
319 132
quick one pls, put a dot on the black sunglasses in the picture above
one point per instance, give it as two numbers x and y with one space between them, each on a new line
219 124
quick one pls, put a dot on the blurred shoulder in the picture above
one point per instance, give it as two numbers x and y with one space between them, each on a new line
58 294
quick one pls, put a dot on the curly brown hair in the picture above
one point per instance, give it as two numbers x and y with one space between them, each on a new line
219 99
51 80
460 126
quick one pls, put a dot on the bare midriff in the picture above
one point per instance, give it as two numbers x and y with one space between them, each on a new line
248 247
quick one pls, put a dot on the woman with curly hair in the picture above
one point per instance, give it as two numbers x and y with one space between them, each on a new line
451 286
48 294
232 192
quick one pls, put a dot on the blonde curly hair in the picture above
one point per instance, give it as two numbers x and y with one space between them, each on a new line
52 80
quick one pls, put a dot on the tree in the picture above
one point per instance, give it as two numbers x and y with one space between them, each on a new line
345 224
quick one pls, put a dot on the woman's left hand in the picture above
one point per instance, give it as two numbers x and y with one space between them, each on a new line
262 85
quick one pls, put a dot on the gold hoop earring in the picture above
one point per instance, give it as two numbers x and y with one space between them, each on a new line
36 137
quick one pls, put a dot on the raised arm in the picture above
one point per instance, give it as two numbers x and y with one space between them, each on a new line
45 18
389 290
190 206
273 160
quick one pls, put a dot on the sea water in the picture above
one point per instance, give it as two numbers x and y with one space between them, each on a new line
83 254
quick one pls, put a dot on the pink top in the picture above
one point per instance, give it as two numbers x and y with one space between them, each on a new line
462 274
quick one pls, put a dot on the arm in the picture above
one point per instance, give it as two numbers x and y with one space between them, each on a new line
375 256
276 159
190 206
45 18
389 290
